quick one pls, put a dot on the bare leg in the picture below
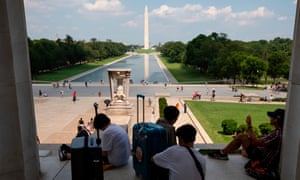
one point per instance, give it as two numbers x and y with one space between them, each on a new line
240 140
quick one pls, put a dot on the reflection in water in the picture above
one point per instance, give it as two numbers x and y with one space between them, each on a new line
146 66
143 68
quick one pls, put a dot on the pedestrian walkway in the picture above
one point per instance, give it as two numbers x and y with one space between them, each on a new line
57 117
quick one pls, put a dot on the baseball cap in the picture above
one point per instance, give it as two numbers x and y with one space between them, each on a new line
278 113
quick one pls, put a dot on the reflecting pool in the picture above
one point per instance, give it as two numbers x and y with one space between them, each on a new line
143 68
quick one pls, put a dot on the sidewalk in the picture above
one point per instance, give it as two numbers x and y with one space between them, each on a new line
57 117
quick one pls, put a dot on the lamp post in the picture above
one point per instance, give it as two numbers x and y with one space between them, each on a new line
96 108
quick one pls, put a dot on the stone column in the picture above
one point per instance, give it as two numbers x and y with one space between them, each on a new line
18 148
290 155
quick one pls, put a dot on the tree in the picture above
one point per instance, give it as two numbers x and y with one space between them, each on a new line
69 49
194 53
277 61
253 69
44 55
203 51
175 51
232 66
79 52
48 55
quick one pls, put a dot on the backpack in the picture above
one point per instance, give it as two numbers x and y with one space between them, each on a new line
255 169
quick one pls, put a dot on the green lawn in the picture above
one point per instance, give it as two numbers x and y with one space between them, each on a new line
143 51
249 87
67 72
211 114
184 73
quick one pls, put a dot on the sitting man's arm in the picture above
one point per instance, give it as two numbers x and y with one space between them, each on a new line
254 140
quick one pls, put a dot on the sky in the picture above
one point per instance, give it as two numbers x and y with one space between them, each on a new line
169 20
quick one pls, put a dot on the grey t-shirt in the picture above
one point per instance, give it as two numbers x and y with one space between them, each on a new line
116 142
170 131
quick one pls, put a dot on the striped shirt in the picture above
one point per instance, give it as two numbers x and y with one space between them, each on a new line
271 148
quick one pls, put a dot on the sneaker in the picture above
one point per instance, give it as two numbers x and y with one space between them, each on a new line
218 155
60 155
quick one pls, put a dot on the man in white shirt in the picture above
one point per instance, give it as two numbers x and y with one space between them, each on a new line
114 141
178 159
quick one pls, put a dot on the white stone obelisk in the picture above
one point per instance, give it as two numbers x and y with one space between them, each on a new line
146 29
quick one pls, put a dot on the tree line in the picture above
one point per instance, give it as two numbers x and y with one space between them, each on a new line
47 55
220 57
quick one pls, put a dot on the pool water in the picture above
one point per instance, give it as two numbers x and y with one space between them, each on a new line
144 68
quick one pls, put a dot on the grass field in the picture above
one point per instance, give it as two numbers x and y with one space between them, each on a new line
184 73
67 72
211 114
145 51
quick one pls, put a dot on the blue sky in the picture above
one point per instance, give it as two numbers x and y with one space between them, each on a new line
169 20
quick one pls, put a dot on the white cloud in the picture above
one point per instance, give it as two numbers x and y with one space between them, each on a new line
212 12
164 11
180 13
104 5
260 12
295 1
282 18
191 13
109 7
247 18
130 24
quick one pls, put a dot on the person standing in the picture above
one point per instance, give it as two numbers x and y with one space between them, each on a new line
150 101
213 94
61 93
74 96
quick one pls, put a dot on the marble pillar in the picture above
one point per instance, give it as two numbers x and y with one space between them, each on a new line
146 29
18 147
290 155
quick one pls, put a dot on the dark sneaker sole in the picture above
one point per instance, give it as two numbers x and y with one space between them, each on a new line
218 157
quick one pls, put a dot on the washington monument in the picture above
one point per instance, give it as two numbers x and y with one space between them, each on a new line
146 29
